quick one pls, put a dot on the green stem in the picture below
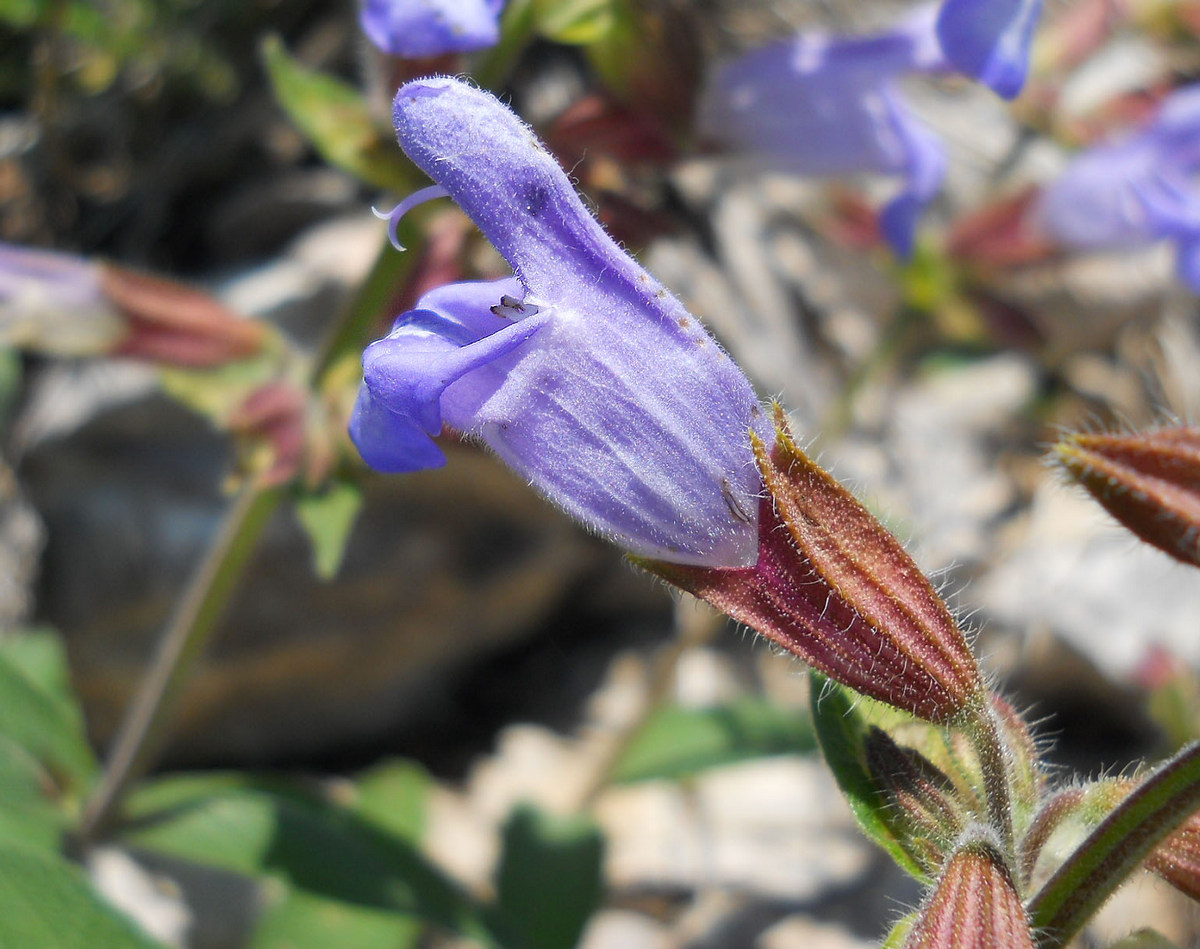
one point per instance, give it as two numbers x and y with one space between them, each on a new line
1115 849
993 761
141 733
142 730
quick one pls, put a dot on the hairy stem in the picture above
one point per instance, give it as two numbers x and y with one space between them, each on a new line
984 733
142 730
1116 848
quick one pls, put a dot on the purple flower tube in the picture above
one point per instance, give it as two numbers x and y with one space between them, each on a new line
990 40
825 105
582 372
421 28
1135 192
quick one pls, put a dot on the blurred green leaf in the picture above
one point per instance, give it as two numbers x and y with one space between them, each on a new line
29 817
293 919
677 742
217 393
262 829
550 880
393 796
10 376
38 654
574 22
328 517
40 714
842 719
22 13
899 932
47 903
335 117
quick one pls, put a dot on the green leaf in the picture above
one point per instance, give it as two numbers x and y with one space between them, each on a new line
393 797
1166 798
573 22
294 919
335 117
22 13
328 517
677 742
38 654
842 719
43 716
899 933
265 829
47 903
549 881
29 817
217 393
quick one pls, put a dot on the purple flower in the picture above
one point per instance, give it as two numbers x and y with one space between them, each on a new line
55 303
421 28
824 105
1136 191
989 40
582 373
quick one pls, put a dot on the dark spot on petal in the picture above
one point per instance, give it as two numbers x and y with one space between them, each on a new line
644 278
684 322
534 199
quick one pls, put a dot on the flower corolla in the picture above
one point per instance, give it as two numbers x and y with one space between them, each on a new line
990 40
1136 191
422 28
581 372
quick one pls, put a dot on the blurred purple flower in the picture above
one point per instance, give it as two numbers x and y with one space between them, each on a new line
421 28
826 105
582 372
989 40
1136 191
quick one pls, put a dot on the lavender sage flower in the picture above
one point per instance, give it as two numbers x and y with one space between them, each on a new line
1135 192
421 28
582 373
818 104
989 40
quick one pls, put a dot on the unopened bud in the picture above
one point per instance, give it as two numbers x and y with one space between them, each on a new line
1149 482
974 905
168 322
1177 860
926 801
65 305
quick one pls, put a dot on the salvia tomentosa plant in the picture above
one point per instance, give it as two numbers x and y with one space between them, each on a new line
593 382
599 388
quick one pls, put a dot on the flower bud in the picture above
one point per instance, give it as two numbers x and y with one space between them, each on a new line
1149 482
975 905
926 801
69 306
832 586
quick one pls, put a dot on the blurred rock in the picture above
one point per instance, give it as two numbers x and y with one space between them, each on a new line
442 568
621 929
926 456
777 827
802 932
1076 572
152 901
